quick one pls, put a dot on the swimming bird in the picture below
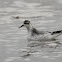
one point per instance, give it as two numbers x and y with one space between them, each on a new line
36 35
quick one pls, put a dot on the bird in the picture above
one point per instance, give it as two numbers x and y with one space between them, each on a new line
36 35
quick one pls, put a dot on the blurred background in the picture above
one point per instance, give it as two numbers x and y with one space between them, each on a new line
43 14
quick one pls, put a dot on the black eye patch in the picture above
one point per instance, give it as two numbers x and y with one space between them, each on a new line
26 23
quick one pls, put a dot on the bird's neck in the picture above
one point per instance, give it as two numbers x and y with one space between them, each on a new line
29 28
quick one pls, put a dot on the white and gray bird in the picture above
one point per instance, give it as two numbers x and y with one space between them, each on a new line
36 35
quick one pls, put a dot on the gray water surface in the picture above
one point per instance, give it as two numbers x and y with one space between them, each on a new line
44 15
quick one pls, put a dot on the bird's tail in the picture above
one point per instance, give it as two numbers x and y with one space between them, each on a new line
56 33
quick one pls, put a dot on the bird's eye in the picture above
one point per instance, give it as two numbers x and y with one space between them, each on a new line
26 23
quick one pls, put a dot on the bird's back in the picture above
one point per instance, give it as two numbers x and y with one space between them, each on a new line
36 32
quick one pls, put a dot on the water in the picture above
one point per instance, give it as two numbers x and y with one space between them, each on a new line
44 15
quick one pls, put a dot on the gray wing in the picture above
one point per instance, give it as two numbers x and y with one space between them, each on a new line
35 31
43 32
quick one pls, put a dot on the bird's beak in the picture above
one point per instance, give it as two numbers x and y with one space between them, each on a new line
21 26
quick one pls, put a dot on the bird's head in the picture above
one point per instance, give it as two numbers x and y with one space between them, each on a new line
26 23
